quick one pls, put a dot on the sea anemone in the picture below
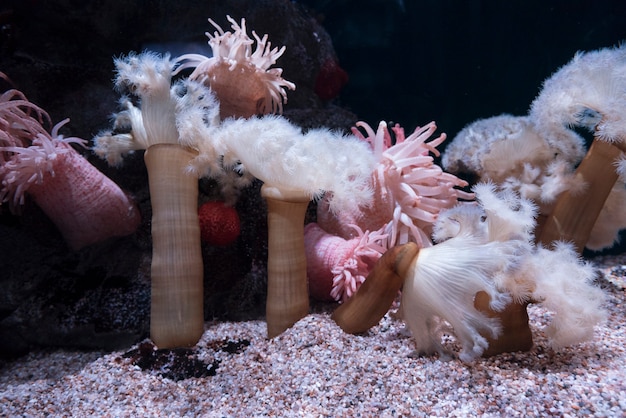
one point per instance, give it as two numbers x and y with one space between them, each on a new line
20 119
510 152
489 248
169 127
85 205
177 127
590 92
408 176
375 296
239 75
27 165
541 156
442 282
409 188
336 267
409 191
295 167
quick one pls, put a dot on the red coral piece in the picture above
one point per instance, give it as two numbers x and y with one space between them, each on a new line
219 224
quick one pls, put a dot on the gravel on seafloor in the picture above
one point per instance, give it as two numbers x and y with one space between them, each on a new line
316 370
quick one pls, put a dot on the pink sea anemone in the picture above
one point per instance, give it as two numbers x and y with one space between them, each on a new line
409 191
85 205
339 266
240 76
20 120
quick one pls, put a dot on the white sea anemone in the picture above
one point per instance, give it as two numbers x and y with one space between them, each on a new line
489 247
441 286
588 91
319 161
510 151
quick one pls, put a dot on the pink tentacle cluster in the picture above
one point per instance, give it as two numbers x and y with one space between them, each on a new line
27 150
20 120
235 60
30 163
409 192
84 204
337 266
355 268
418 187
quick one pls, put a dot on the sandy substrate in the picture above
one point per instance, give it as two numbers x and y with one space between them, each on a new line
314 369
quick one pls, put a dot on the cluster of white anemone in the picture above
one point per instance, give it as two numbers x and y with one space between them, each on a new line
488 246
536 155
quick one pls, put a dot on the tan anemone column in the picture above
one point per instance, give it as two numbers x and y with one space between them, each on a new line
176 317
516 334
287 287
575 214
375 296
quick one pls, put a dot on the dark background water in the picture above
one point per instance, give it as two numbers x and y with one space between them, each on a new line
456 61
408 61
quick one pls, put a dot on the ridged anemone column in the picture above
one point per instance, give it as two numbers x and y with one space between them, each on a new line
177 317
287 287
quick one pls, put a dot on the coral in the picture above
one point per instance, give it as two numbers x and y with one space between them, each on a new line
240 76
84 204
219 223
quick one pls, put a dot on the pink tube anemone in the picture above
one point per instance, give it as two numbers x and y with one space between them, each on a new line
409 192
239 74
339 266
84 204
